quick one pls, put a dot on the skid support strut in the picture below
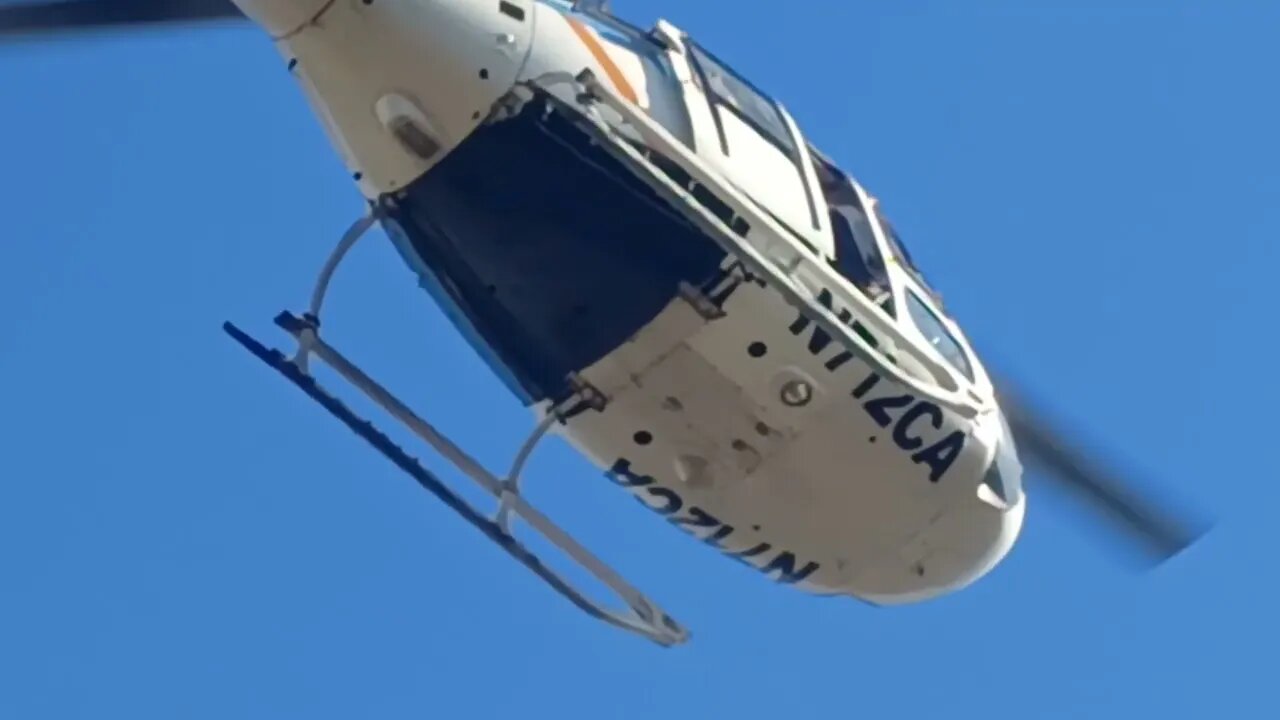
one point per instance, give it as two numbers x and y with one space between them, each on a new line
644 618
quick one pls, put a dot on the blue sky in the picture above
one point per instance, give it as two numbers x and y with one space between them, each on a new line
1092 184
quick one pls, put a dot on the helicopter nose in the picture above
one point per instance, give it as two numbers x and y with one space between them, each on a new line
1000 490
1002 483
965 543
281 18
995 533
1005 536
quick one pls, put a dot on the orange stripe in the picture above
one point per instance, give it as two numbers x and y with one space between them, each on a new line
610 67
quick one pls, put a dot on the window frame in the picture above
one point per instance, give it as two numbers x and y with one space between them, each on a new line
898 250
826 173
787 138
967 367
787 143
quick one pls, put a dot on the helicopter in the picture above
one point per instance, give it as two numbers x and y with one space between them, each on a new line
658 263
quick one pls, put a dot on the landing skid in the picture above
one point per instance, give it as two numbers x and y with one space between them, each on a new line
645 617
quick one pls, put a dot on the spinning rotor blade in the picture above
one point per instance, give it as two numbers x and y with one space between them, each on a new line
27 19
1159 530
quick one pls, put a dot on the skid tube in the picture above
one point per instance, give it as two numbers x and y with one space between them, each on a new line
645 618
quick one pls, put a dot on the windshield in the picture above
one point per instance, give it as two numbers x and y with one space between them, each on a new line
897 248
735 93
1004 476
904 259
857 256
938 336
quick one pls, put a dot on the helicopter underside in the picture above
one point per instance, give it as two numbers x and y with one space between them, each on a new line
547 258
561 265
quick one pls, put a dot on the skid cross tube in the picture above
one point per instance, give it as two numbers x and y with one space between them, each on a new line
645 619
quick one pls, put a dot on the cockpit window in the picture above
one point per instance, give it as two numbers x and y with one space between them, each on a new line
903 257
857 257
896 246
938 335
732 91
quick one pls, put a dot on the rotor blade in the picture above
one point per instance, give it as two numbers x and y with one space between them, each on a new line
1159 530
18 20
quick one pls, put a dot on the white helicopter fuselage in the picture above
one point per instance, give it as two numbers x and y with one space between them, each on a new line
886 475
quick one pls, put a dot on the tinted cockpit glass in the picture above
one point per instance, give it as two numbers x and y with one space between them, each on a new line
857 256
899 249
1004 476
938 335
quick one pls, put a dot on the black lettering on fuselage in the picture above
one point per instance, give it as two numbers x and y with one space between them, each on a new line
902 436
697 519
671 501
785 565
668 502
866 386
621 474
941 455
879 408
899 412
716 539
